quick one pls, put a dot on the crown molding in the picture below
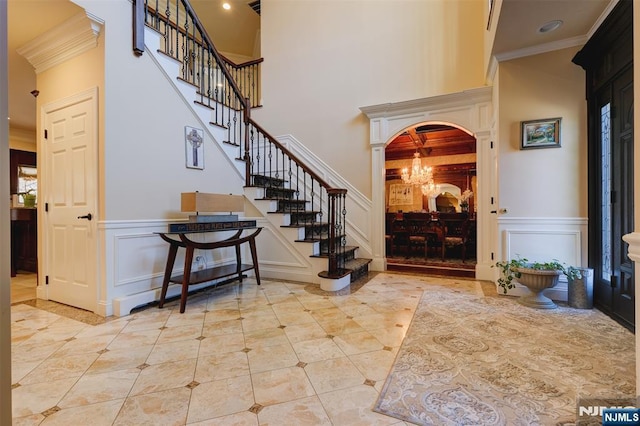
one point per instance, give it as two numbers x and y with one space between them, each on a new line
69 39
452 100
601 18
542 48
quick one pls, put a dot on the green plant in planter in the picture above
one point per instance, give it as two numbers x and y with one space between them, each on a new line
28 198
509 270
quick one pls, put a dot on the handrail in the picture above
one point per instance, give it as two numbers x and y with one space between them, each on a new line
244 64
207 43
299 191
216 55
292 156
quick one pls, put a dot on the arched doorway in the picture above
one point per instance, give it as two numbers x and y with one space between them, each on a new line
433 231
470 110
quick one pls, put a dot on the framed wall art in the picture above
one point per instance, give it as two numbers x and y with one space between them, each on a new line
194 147
543 133
400 194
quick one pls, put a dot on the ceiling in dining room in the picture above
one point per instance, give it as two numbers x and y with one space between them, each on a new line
434 140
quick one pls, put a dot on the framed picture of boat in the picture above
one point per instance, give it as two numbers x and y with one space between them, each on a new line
543 133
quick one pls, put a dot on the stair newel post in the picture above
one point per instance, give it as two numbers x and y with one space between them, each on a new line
246 156
343 228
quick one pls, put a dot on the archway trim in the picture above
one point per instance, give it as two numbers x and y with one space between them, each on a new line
471 111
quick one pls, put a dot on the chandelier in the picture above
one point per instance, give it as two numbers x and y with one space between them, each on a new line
419 175
431 190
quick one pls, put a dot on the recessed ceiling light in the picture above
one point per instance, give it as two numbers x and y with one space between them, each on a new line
550 26
226 6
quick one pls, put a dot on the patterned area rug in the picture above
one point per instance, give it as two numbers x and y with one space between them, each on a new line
471 359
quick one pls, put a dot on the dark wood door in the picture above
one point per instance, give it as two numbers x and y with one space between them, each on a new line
608 61
622 280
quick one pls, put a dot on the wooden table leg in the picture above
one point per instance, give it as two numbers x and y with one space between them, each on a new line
171 258
238 262
188 259
254 257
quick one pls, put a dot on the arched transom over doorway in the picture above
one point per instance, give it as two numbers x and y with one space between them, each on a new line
471 111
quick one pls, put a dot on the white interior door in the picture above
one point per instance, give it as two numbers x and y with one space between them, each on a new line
69 146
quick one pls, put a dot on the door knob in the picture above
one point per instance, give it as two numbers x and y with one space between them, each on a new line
86 216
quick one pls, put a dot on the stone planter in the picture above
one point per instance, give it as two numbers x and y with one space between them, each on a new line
537 281
581 290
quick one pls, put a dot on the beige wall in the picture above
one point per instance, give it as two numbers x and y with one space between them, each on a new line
324 60
143 154
22 139
543 182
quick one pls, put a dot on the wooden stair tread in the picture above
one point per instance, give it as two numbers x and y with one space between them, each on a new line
346 250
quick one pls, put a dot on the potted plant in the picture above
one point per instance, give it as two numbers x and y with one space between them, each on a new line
463 199
536 276
28 198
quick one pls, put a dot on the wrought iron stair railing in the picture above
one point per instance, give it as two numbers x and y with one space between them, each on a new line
231 90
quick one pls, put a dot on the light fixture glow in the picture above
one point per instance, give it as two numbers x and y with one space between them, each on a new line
550 26
431 190
226 6
419 175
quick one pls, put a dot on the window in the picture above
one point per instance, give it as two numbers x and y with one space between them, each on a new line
27 181
605 195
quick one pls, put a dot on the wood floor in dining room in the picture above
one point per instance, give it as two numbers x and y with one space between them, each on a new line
432 265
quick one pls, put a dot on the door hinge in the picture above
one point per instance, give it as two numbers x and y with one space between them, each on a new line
46 279
613 197
46 207
491 255
491 144
46 134
491 200
614 281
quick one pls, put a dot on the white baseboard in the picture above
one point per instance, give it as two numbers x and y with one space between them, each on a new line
123 306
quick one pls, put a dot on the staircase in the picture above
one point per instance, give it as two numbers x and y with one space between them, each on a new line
274 198
294 198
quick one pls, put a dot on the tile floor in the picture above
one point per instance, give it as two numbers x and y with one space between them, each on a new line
278 354
23 287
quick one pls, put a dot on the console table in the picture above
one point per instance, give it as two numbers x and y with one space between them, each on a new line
208 274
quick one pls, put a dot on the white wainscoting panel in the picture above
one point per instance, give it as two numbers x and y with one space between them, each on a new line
543 240
135 259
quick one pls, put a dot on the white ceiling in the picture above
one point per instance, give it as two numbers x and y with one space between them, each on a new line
516 35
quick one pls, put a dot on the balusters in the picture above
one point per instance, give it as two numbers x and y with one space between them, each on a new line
231 90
